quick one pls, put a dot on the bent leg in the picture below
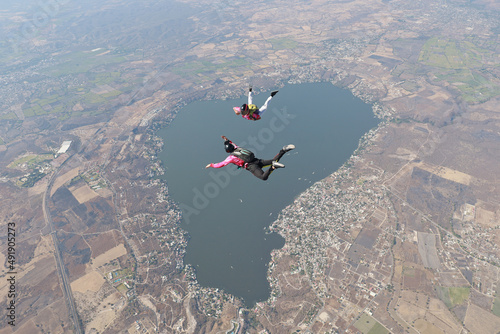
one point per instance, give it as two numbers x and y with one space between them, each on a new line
277 157
257 171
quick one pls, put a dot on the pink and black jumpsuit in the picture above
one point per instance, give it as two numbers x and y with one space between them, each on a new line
255 166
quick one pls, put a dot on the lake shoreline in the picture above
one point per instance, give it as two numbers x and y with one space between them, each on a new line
216 152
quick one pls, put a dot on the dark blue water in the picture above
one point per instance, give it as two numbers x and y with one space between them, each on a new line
227 210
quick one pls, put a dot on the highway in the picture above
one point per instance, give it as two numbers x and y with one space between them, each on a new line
61 269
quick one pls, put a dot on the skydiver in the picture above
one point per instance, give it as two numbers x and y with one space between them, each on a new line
244 158
250 110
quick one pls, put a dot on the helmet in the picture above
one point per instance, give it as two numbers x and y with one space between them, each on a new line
228 146
244 109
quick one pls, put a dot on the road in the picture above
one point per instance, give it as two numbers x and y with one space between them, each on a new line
61 269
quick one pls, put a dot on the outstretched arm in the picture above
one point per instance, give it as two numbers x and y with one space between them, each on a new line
230 159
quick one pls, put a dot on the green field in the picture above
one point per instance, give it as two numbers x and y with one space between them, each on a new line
9 115
368 325
37 110
462 64
82 62
31 160
474 86
283 43
105 78
453 296
206 67
122 288
459 295
111 94
450 54
496 307
64 101
444 295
